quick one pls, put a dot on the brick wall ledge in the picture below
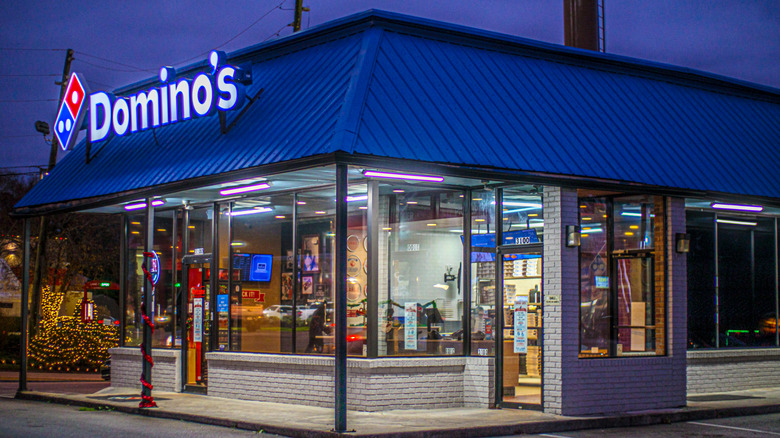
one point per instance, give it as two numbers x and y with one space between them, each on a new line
733 355
136 351
395 362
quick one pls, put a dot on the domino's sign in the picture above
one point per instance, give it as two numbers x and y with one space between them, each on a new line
71 114
223 89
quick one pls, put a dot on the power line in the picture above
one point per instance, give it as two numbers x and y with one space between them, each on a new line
26 100
23 167
279 6
20 49
277 32
109 68
29 75
114 62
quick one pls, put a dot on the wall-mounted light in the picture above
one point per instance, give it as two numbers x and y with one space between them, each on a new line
682 242
573 237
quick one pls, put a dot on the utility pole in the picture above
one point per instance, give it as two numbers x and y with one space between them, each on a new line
299 10
40 250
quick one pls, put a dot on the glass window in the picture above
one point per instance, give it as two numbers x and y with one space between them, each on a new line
701 279
134 280
420 298
595 309
316 232
622 280
746 296
483 272
262 269
163 306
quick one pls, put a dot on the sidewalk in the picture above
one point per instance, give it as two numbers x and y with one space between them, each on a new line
308 421
36 376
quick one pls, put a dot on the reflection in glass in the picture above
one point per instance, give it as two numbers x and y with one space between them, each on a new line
261 256
420 249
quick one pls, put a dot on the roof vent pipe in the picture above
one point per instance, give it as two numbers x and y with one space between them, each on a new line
581 23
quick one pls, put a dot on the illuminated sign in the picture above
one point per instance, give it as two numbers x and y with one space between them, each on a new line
174 101
71 113
154 267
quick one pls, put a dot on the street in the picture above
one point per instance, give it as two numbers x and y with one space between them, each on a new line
750 426
21 418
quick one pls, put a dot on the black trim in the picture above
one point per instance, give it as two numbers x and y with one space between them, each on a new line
508 176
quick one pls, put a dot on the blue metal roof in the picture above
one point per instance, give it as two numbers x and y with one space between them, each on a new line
387 85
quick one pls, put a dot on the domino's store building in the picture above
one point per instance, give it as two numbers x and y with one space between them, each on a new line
385 212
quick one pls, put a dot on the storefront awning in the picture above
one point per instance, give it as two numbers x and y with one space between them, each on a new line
386 85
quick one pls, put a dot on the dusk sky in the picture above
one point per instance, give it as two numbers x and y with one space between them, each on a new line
120 42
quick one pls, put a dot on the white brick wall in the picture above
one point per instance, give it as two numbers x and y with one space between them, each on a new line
126 368
575 386
372 384
732 370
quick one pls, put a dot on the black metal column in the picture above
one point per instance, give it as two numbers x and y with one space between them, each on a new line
777 288
123 279
372 300
340 281
717 286
25 302
185 295
213 281
498 319
466 273
231 251
146 372
295 274
174 271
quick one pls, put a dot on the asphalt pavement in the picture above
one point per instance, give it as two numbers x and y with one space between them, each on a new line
29 419
744 427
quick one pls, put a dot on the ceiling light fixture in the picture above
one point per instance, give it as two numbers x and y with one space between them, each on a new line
245 189
407 176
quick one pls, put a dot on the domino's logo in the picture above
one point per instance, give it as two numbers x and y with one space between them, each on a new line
71 113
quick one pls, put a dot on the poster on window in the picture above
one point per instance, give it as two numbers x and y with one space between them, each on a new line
410 326
311 253
308 285
521 324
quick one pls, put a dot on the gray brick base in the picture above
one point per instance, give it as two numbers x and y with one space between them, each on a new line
732 370
126 368
372 384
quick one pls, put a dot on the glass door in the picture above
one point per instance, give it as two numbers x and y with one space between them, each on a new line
522 325
198 324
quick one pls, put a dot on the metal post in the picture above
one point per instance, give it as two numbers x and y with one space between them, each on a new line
229 346
777 289
147 301
123 279
214 281
341 299
185 294
25 302
717 288
372 300
295 273
174 271
466 273
498 319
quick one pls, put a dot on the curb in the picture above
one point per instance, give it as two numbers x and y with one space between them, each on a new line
629 420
